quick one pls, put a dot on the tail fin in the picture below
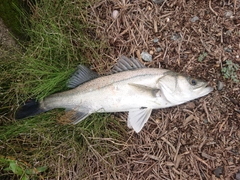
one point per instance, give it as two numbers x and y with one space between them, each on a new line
30 108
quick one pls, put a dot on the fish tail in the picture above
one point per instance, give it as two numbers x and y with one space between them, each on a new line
30 108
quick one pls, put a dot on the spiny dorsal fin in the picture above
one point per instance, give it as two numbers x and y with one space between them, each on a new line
125 64
82 75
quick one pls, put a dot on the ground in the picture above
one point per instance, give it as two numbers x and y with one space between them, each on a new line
7 41
197 140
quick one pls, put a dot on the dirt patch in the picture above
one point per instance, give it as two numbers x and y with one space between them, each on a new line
6 39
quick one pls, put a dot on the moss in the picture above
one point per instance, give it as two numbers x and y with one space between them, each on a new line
12 17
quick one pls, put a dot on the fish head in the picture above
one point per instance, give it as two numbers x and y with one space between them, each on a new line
178 89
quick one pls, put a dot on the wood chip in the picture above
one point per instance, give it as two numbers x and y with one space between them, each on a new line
205 155
138 53
187 120
155 27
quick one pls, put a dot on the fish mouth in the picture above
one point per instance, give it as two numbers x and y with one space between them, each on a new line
205 89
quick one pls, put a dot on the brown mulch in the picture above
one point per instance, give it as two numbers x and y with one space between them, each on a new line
197 140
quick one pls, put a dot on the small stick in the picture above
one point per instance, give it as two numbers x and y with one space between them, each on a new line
166 141
212 8
165 51
222 36
206 111
235 5
155 26
199 159
138 55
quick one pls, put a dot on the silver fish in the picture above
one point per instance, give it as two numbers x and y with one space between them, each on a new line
132 87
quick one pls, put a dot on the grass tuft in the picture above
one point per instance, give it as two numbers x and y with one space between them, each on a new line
41 139
58 42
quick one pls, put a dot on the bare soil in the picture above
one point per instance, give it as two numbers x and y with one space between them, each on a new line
6 39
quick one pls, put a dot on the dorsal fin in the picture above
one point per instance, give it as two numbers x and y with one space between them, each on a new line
125 64
81 75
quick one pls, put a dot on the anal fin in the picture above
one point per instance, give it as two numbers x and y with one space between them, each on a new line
77 116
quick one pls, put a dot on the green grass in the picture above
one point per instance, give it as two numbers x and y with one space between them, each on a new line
12 17
41 139
57 43
21 169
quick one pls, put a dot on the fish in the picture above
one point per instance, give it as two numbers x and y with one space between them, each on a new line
131 87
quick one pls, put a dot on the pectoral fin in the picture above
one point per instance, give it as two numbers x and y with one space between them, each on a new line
137 118
151 91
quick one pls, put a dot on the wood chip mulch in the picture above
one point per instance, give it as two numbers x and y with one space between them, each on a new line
197 140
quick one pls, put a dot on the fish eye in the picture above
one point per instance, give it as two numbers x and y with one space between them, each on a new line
193 82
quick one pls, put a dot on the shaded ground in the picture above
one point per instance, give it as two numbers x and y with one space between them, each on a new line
197 140
6 40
